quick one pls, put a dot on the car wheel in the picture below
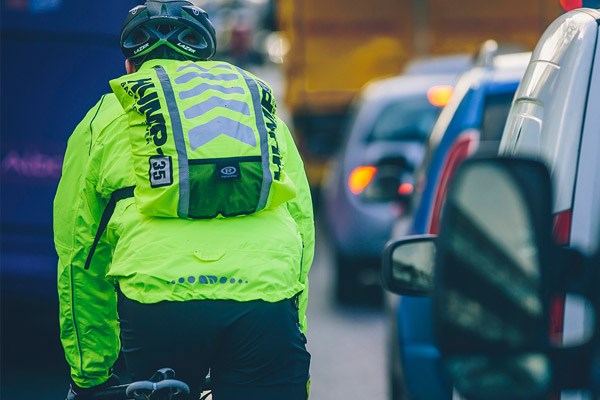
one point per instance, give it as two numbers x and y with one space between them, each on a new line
346 281
357 280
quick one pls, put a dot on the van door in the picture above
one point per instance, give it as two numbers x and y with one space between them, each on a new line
555 118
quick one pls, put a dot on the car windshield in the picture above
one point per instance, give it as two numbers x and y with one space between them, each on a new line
407 120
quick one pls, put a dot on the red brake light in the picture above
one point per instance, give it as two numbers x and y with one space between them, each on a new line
561 230
557 313
360 178
569 5
405 189
463 146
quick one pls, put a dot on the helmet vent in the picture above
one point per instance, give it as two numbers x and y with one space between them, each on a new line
172 26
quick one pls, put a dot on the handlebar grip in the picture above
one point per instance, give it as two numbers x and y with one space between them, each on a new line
147 387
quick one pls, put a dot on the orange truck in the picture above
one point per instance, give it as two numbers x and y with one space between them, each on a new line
336 46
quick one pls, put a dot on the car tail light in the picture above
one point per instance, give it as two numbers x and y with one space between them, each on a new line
360 178
557 314
561 230
405 189
569 5
439 95
463 146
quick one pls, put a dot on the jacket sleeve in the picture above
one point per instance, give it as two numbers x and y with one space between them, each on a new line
301 209
87 299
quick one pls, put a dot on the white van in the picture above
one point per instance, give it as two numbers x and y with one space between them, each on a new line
555 117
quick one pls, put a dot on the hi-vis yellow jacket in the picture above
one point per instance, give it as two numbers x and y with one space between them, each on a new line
266 255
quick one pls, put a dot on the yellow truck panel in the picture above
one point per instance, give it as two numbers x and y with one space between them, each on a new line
336 46
461 28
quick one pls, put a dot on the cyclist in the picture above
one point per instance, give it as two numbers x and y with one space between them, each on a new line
226 293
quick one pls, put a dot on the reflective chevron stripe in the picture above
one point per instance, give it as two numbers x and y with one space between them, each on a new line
203 87
214 102
202 134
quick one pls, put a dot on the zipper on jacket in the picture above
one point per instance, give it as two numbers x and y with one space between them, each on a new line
117 195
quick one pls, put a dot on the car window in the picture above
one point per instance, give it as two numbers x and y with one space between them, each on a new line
495 112
407 120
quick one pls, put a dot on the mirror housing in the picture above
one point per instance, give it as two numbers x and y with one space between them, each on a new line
491 299
407 266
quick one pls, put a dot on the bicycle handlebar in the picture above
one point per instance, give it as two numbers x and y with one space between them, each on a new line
162 381
147 388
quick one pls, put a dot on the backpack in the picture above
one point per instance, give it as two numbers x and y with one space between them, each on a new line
204 140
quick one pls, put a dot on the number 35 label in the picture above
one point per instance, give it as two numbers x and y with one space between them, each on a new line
161 172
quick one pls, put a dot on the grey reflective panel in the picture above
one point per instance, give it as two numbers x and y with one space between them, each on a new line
185 78
215 102
186 94
198 67
184 185
202 134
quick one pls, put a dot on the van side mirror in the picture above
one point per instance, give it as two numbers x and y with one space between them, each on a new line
491 306
408 265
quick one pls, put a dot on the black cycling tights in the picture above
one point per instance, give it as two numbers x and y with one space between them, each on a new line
255 349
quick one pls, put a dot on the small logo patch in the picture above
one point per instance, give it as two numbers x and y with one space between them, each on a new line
228 170
161 171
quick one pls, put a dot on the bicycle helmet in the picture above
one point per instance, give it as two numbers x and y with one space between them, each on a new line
177 25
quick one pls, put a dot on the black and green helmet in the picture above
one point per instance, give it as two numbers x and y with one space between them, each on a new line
176 24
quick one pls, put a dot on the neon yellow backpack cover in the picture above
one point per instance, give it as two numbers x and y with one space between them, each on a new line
204 140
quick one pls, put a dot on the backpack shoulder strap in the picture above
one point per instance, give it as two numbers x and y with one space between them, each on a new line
117 195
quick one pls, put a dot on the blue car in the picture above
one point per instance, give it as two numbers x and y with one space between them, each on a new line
472 121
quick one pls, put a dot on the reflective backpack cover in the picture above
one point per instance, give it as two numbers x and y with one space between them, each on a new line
204 140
